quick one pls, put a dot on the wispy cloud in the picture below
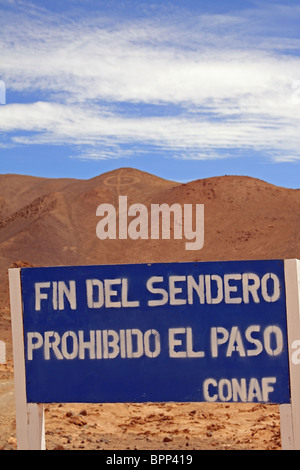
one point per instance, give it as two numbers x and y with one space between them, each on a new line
196 84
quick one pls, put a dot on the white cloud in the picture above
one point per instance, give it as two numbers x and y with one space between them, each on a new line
93 79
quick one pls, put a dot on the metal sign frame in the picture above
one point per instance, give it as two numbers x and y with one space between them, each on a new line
30 415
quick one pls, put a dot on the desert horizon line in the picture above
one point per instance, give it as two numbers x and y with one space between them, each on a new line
138 170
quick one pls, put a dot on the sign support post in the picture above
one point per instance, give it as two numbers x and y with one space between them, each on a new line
2 352
29 416
290 413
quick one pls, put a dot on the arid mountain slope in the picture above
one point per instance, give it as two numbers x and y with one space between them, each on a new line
53 222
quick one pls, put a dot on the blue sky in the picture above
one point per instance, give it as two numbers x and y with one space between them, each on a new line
182 89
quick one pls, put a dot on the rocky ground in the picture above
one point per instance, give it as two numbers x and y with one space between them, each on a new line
153 426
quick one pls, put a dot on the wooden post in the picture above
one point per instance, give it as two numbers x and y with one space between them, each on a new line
29 417
290 413
2 352
36 426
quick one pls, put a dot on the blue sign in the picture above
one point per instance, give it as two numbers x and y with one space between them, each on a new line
182 332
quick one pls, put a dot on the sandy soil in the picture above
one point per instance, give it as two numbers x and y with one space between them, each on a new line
153 426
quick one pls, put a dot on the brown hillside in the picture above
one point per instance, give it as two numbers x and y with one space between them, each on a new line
53 222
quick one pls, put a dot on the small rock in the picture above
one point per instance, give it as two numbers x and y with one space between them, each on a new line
77 420
12 441
59 447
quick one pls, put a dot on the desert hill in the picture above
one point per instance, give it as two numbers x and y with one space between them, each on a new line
53 221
